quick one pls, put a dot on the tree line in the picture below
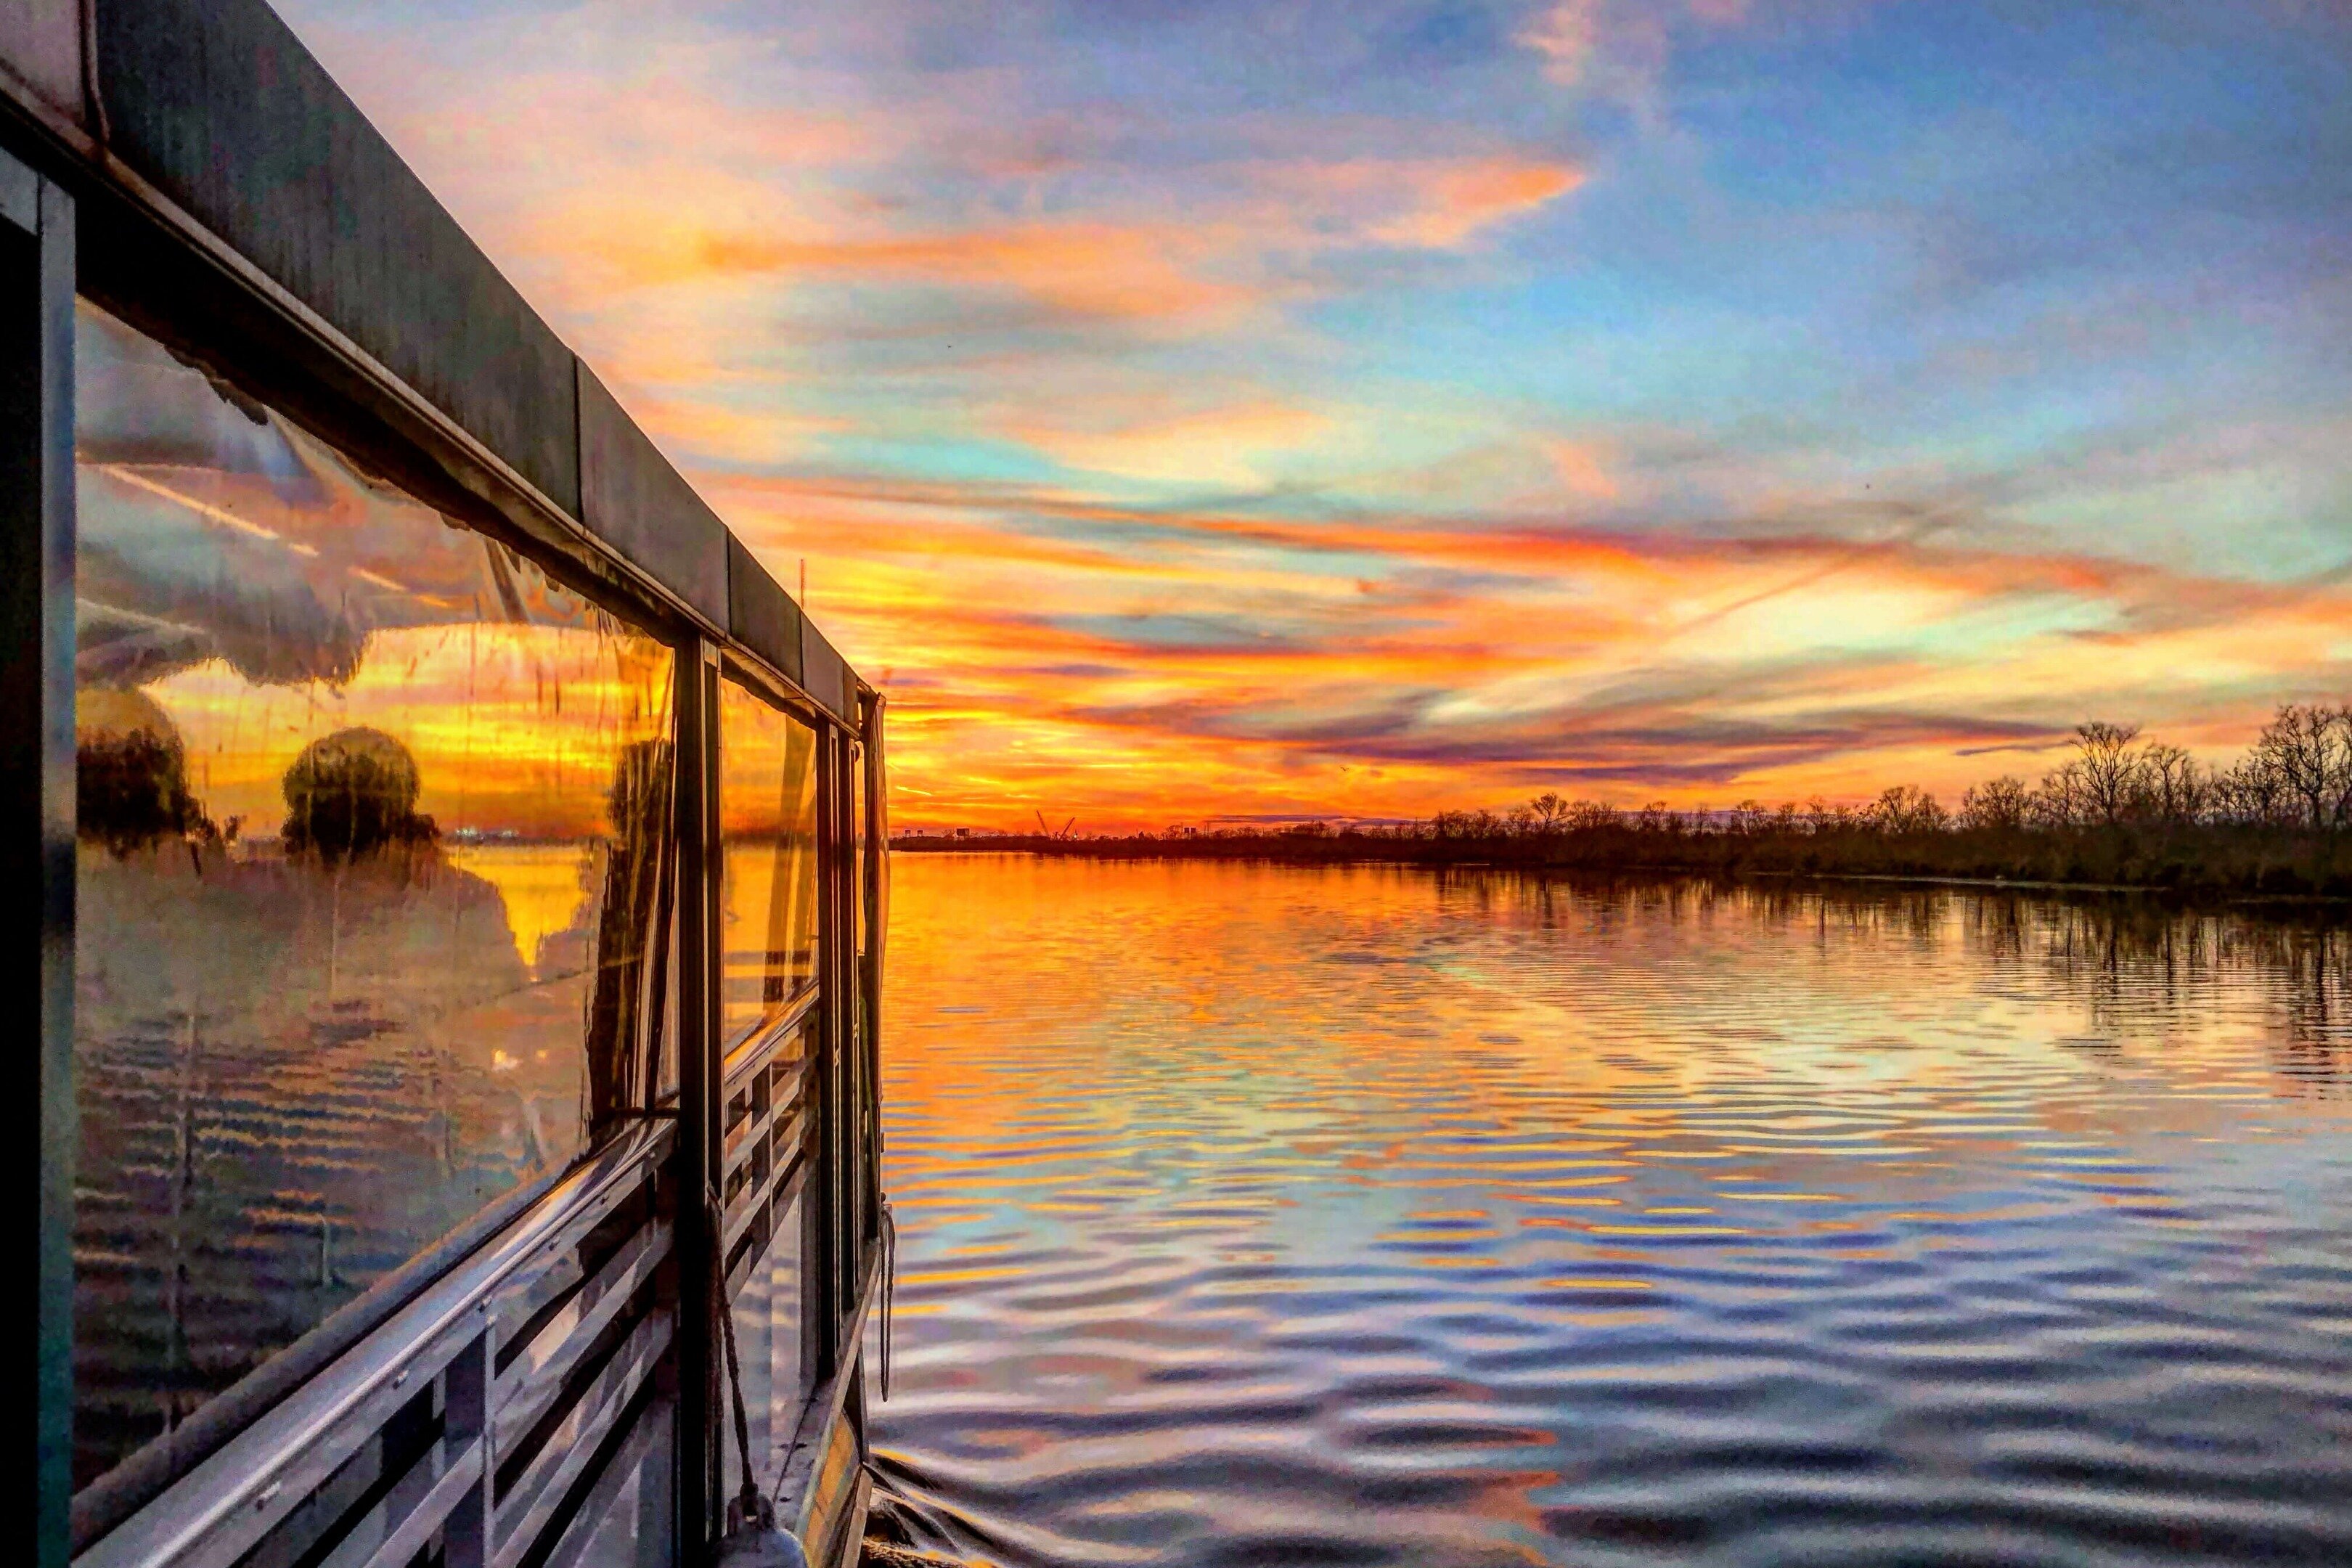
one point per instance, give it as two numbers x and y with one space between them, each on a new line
2122 808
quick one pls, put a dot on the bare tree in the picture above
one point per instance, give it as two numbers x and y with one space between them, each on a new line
1592 816
2060 800
2340 801
1905 809
2110 769
2175 788
2252 793
1550 812
2000 804
2307 749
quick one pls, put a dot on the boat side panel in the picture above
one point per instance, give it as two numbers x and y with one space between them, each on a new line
634 500
41 45
220 107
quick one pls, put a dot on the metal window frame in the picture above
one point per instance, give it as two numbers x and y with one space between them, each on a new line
834 1274
37 261
697 793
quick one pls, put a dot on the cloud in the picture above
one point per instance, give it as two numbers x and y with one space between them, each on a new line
1094 270
1420 203
1618 47
1566 34
1214 446
1176 415
1239 247
1120 657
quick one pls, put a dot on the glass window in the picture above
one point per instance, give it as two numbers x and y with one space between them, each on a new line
767 822
374 824
857 839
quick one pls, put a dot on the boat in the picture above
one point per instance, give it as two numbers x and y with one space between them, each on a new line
451 872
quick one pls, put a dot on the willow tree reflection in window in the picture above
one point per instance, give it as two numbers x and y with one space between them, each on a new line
374 820
767 820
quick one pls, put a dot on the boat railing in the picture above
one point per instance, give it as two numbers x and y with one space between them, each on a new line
764 1137
496 1421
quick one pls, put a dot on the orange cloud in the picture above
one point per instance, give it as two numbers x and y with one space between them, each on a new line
1133 665
1216 446
1090 269
1429 204
1217 262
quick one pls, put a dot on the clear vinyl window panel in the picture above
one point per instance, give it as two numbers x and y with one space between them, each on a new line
767 821
767 1312
374 824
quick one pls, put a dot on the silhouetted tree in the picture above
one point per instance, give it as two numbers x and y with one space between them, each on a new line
2307 749
1999 804
2176 790
131 778
351 794
2108 768
1905 809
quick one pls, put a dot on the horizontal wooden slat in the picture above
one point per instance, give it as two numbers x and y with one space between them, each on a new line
777 1197
530 1506
556 1268
747 1138
745 1210
763 1047
630 1503
391 1538
529 1385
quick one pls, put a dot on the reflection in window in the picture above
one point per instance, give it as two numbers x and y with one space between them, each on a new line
858 846
767 816
374 819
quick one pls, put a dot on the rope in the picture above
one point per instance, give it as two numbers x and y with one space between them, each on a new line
753 1508
94 101
890 1287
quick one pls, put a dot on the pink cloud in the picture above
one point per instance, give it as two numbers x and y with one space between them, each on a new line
1617 47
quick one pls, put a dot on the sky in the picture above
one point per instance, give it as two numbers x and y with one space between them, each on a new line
1273 408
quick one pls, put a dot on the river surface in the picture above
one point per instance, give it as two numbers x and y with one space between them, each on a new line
1254 1214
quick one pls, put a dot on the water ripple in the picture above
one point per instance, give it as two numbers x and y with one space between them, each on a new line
1260 1216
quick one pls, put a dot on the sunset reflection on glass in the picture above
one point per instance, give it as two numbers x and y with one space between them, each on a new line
373 816
767 821
1372 1215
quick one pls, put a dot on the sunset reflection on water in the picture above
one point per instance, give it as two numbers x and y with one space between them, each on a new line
1265 1214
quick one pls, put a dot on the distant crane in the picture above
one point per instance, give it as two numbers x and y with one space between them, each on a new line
1052 836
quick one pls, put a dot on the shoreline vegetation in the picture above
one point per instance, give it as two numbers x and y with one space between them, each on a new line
2121 813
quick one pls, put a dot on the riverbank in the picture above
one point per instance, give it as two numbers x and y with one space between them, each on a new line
2195 862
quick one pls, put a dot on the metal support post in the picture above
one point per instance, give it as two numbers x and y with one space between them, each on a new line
36 801
697 1233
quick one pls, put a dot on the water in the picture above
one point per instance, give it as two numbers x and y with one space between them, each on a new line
1286 1216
